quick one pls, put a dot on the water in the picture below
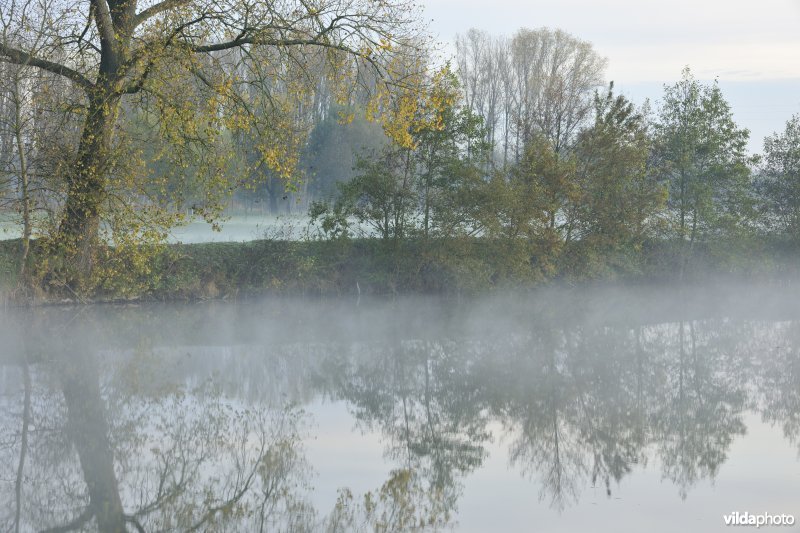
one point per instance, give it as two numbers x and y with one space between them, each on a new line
232 229
593 410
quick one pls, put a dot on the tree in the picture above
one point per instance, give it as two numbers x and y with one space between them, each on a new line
200 68
381 195
15 164
28 131
539 82
330 155
621 199
556 74
480 60
779 181
425 179
451 151
700 152
545 182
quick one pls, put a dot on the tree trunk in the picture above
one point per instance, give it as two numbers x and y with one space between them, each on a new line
23 177
79 229
23 447
89 428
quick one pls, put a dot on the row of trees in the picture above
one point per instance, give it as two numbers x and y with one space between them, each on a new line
117 118
598 171
538 82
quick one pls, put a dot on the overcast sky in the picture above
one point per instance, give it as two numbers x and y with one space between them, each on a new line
752 47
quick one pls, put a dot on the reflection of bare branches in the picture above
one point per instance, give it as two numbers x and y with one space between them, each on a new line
402 504
699 415
552 455
219 465
23 447
185 460
73 525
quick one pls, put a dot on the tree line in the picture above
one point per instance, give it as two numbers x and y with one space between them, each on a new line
532 147
119 121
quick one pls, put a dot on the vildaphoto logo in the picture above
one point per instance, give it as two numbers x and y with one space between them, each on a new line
764 519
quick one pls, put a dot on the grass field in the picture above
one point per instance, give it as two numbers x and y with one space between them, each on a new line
234 229
242 229
9 229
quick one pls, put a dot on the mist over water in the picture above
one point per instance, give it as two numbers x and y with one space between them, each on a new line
657 409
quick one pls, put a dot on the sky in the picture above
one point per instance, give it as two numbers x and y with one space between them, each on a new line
751 47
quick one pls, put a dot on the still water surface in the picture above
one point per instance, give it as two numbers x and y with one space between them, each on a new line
595 410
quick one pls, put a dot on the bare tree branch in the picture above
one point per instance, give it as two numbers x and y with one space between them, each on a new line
20 57
75 524
156 9
235 43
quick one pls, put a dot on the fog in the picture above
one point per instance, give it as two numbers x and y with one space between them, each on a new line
607 409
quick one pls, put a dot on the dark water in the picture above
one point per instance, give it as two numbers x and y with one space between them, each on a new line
629 410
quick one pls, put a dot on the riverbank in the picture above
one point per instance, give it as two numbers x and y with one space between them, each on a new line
375 267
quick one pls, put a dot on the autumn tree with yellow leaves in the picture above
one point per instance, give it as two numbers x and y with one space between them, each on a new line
194 72
423 183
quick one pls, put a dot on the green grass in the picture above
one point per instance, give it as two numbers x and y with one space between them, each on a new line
216 270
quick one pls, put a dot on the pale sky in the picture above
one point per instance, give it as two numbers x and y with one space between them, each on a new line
752 47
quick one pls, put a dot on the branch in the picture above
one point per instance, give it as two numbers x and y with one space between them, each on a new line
227 45
241 41
154 10
137 85
79 522
105 25
19 57
132 520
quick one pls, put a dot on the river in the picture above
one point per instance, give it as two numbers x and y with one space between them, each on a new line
621 410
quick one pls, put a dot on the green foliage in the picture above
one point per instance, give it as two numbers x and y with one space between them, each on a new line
779 180
432 185
331 153
700 153
620 201
451 157
546 190
8 263
381 194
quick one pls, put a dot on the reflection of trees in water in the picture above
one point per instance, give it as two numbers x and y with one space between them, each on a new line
581 405
104 454
779 378
402 504
573 402
119 438
700 409
414 393
587 404
118 446
537 407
